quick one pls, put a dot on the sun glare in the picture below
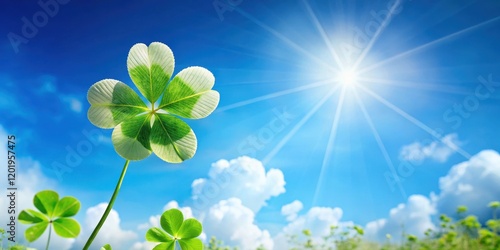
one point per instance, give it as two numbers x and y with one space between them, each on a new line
348 77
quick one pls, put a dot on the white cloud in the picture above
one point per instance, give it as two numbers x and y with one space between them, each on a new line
414 217
291 210
143 245
75 104
318 220
232 222
244 178
439 151
473 183
110 233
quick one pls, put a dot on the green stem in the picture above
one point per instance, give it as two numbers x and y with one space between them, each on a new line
108 209
48 240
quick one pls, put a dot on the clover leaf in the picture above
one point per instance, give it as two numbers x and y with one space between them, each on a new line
141 129
52 212
106 247
176 230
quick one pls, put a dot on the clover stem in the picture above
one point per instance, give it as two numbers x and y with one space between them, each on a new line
48 240
108 208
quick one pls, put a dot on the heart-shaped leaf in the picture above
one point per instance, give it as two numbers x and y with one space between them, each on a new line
150 68
171 221
172 139
191 244
30 216
113 102
165 246
190 94
46 201
157 235
66 227
131 138
190 228
34 232
67 207
106 247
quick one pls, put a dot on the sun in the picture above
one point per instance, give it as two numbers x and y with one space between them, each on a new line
348 77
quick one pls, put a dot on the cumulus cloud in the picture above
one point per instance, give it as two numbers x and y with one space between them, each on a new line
233 222
111 232
291 210
318 220
415 217
473 183
244 178
439 151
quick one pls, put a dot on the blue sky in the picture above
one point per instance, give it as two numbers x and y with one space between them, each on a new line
273 66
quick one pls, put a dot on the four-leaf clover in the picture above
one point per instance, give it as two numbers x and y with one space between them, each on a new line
52 211
140 129
176 229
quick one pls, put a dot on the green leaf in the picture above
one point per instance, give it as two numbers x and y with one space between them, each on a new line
191 244
157 235
190 228
46 201
113 102
66 207
30 216
34 232
189 94
171 221
131 138
66 227
165 246
150 68
172 139
106 247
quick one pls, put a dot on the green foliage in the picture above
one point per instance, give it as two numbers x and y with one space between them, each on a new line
141 129
215 244
174 229
106 247
52 212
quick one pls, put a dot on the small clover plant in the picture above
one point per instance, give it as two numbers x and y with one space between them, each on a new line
140 129
52 212
175 230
